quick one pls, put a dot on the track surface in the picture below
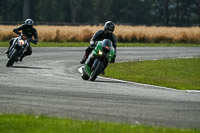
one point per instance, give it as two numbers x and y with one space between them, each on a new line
48 83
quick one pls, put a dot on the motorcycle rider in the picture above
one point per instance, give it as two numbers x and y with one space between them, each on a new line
100 35
29 31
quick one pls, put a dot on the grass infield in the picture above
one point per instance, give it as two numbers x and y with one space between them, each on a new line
182 74
10 123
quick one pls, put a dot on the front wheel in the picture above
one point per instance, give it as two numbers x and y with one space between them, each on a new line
97 70
12 58
84 75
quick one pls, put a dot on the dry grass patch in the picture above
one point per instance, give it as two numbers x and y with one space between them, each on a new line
133 34
158 34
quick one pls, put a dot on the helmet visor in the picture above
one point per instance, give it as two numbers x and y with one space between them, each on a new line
109 30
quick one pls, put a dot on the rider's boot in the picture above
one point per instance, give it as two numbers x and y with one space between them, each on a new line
103 73
82 61
6 52
10 42
21 58
87 52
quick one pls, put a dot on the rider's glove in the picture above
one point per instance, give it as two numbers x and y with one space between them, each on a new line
34 41
30 40
93 44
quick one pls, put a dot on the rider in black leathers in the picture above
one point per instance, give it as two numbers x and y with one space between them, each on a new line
28 30
100 35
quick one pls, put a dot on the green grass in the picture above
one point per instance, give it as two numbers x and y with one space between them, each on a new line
10 123
182 74
86 44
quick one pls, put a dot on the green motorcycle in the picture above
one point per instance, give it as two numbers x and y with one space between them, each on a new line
98 60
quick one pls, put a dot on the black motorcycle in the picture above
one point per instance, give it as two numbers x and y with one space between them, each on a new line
17 49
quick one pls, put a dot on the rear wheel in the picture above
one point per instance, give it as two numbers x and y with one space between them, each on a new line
12 59
97 70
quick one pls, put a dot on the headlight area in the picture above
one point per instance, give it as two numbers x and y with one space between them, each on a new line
21 42
100 52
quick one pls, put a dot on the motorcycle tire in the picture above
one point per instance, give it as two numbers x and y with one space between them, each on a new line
84 75
97 70
12 59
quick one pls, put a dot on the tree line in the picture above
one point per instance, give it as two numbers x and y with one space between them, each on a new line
132 12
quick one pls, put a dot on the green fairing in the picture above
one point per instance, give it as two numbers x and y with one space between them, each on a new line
110 55
99 47
88 70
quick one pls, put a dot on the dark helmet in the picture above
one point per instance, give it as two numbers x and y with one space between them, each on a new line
106 45
109 27
29 23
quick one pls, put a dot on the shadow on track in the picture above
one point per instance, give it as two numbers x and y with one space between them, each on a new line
109 81
27 67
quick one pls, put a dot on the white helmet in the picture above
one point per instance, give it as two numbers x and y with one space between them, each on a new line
29 23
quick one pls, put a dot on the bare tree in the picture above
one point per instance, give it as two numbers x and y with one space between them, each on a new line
26 9
74 6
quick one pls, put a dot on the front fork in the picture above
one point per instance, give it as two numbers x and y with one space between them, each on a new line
89 63
20 50
87 70
93 65
24 49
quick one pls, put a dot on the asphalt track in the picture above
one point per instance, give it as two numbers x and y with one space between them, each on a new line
48 83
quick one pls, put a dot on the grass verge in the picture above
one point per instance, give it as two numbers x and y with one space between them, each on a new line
182 74
86 44
10 123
